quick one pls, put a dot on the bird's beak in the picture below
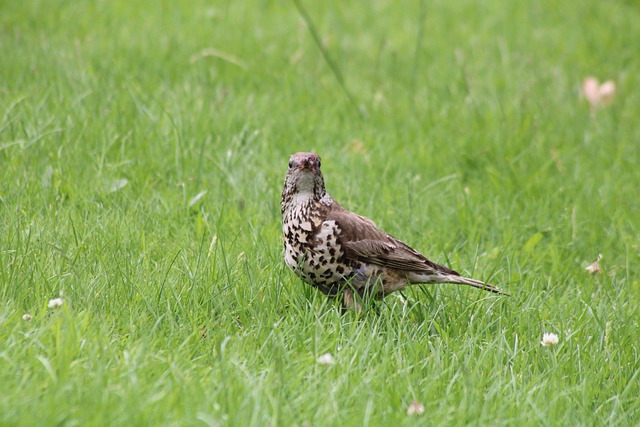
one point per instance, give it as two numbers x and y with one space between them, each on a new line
307 164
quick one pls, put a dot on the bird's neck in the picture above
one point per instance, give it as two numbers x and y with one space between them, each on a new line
304 199
297 200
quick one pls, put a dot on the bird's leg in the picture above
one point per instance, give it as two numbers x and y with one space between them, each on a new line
350 301
361 289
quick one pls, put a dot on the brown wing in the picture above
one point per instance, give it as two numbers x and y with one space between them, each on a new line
364 242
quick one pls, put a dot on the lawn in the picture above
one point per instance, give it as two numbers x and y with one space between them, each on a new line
143 147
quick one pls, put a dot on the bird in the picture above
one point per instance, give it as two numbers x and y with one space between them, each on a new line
344 254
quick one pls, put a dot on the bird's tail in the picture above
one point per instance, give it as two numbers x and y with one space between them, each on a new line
450 278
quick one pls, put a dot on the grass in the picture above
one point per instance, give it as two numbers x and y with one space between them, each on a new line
142 151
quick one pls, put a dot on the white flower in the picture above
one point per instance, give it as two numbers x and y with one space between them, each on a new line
549 339
326 359
416 408
27 317
598 94
595 267
116 185
55 303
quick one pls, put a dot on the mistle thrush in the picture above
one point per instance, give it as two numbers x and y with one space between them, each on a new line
340 252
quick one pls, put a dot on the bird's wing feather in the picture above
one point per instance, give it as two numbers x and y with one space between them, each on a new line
365 242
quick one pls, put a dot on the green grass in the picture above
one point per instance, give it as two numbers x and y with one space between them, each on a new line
467 140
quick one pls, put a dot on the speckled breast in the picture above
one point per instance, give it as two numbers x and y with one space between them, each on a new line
312 252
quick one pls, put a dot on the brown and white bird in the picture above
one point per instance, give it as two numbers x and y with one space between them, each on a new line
340 252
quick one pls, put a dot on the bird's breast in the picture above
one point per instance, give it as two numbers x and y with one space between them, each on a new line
312 250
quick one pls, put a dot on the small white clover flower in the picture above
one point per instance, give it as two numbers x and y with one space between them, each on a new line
598 94
27 317
549 339
55 303
326 359
416 408
595 267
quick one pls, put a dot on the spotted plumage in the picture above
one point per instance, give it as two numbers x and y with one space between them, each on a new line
340 252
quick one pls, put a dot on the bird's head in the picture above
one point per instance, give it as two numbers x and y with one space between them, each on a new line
304 177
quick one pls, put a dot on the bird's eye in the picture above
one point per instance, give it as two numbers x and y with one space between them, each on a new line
290 164
318 163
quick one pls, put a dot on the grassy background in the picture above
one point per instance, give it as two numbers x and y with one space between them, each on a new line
467 140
